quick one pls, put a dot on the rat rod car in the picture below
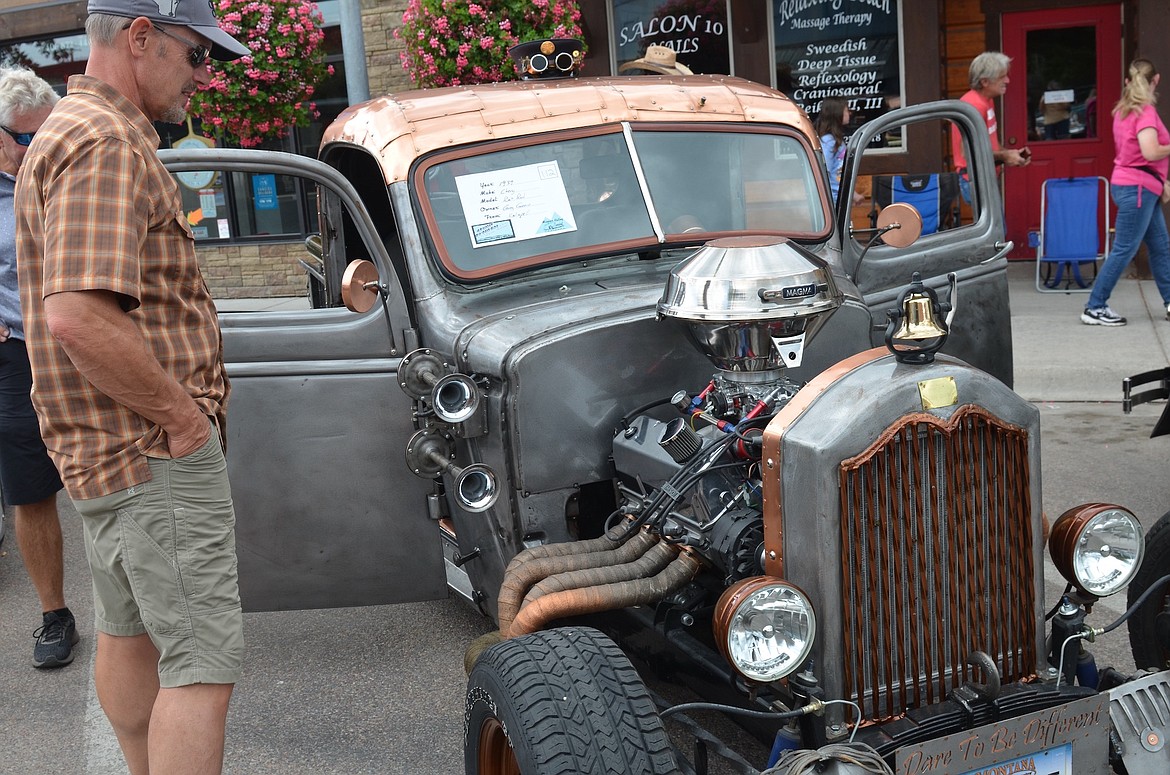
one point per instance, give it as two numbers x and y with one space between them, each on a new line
602 357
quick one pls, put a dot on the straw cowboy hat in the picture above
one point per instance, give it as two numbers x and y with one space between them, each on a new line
657 59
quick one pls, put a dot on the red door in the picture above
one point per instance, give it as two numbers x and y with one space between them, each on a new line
1066 75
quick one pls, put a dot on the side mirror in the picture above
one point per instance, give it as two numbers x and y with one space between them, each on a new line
360 288
899 225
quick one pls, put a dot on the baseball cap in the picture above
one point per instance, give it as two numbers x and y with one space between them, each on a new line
195 14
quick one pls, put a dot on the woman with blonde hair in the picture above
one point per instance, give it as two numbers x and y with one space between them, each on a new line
1138 183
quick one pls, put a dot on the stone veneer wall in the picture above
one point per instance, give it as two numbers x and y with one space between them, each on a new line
254 271
379 20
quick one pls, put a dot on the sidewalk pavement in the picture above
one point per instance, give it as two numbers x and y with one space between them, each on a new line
1058 358
1091 450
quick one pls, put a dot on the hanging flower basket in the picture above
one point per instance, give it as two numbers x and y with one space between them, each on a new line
450 43
265 94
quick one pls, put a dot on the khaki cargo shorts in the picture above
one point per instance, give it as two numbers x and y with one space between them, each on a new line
163 558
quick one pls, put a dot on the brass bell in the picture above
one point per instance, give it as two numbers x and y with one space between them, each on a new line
916 331
918 319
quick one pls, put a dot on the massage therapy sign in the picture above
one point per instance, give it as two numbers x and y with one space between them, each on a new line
695 29
839 48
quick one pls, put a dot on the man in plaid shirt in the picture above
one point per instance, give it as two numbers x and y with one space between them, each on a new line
129 383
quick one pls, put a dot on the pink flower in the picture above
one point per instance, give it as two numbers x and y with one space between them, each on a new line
474 36
267 93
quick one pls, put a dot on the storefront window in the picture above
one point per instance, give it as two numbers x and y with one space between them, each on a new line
850 50
1062 83
54 59
696 30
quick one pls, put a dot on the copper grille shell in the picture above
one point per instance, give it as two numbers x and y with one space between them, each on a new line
844 418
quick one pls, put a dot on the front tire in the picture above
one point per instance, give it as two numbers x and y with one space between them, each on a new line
561 701
1148 650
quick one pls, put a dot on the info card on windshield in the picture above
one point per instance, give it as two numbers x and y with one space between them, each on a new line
518 203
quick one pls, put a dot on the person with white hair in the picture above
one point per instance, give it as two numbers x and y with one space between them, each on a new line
989 79
29 479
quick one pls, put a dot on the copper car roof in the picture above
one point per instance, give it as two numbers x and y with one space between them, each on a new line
399 128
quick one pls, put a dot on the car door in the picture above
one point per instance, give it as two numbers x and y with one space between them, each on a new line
906 156
327 512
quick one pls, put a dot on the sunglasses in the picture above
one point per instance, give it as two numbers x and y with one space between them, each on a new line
21 138
196 55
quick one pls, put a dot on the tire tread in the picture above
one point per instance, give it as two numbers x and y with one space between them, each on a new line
581 707
1156 563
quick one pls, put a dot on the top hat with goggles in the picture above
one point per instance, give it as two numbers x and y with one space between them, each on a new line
549 58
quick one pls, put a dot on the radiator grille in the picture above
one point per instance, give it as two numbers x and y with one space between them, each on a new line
936 559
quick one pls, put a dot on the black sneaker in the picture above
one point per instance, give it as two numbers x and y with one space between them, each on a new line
1102 316
55 640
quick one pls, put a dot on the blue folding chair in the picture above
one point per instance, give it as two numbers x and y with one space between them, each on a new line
1074 233
935 197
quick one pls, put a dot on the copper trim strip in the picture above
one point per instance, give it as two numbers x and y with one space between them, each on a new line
774 433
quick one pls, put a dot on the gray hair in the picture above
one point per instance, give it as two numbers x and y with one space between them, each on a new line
989 65
23 91
103 28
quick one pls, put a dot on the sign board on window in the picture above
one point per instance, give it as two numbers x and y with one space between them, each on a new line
264 192
695 29
839 48
518 203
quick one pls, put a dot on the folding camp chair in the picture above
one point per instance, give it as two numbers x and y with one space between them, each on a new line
935 197
1074 232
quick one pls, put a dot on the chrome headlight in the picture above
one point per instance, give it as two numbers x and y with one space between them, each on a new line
1098 547
765 627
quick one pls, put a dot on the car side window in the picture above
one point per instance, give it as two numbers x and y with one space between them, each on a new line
931 177
265 253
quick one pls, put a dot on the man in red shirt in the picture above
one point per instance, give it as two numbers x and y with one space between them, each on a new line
988 76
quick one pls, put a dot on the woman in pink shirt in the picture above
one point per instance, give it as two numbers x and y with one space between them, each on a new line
1139 178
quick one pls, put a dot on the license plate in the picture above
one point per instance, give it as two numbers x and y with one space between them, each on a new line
1045 742
1053 761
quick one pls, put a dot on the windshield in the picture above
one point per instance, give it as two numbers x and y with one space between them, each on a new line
580 196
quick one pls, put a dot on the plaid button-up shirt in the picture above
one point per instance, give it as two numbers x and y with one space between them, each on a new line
97 210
